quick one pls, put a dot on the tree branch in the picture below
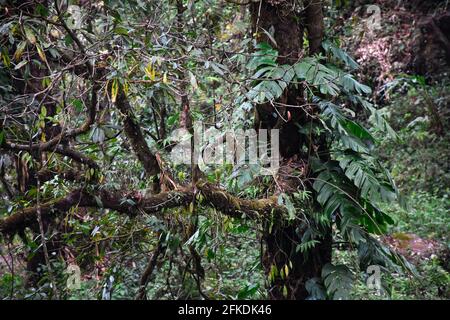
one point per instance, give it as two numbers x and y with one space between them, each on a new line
139 204
134 134
146 276
69 174
59 149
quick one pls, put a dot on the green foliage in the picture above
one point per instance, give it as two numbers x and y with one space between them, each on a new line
431 284
338 281
207 60
428 216
350 186
340 55
419 158
364 172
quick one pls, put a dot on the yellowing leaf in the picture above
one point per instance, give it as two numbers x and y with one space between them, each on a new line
20 64
41 53
46 82
286 270
114 90
43 111
285 291
165 78
273 272
55 33
5 56
126 87
193 81
218 106
19 50
30 35
150 71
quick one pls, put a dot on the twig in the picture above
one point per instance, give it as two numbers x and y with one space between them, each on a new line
44 243
146 276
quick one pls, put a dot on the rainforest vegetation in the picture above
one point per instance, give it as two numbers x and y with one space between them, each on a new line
109 111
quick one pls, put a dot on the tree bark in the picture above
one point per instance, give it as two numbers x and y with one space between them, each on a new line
134 134
134 203
281 239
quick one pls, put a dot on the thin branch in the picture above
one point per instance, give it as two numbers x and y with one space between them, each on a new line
146 276
59 149
44 243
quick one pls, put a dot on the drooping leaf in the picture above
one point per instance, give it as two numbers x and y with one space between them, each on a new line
114 90
338 280
29 34
41 53
19 51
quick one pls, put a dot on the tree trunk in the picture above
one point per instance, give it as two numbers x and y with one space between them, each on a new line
281 239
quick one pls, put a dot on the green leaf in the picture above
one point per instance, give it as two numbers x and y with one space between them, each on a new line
68 40
357 130
114 90
265 90
171 120
121 31
5 57
340 55
303 68
315 289
351 85
372 252
337 193
265 71
376 117
317 75
43 111
248 291
349 133
363 172
338 280
265 56
41 10
78 104
284 200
